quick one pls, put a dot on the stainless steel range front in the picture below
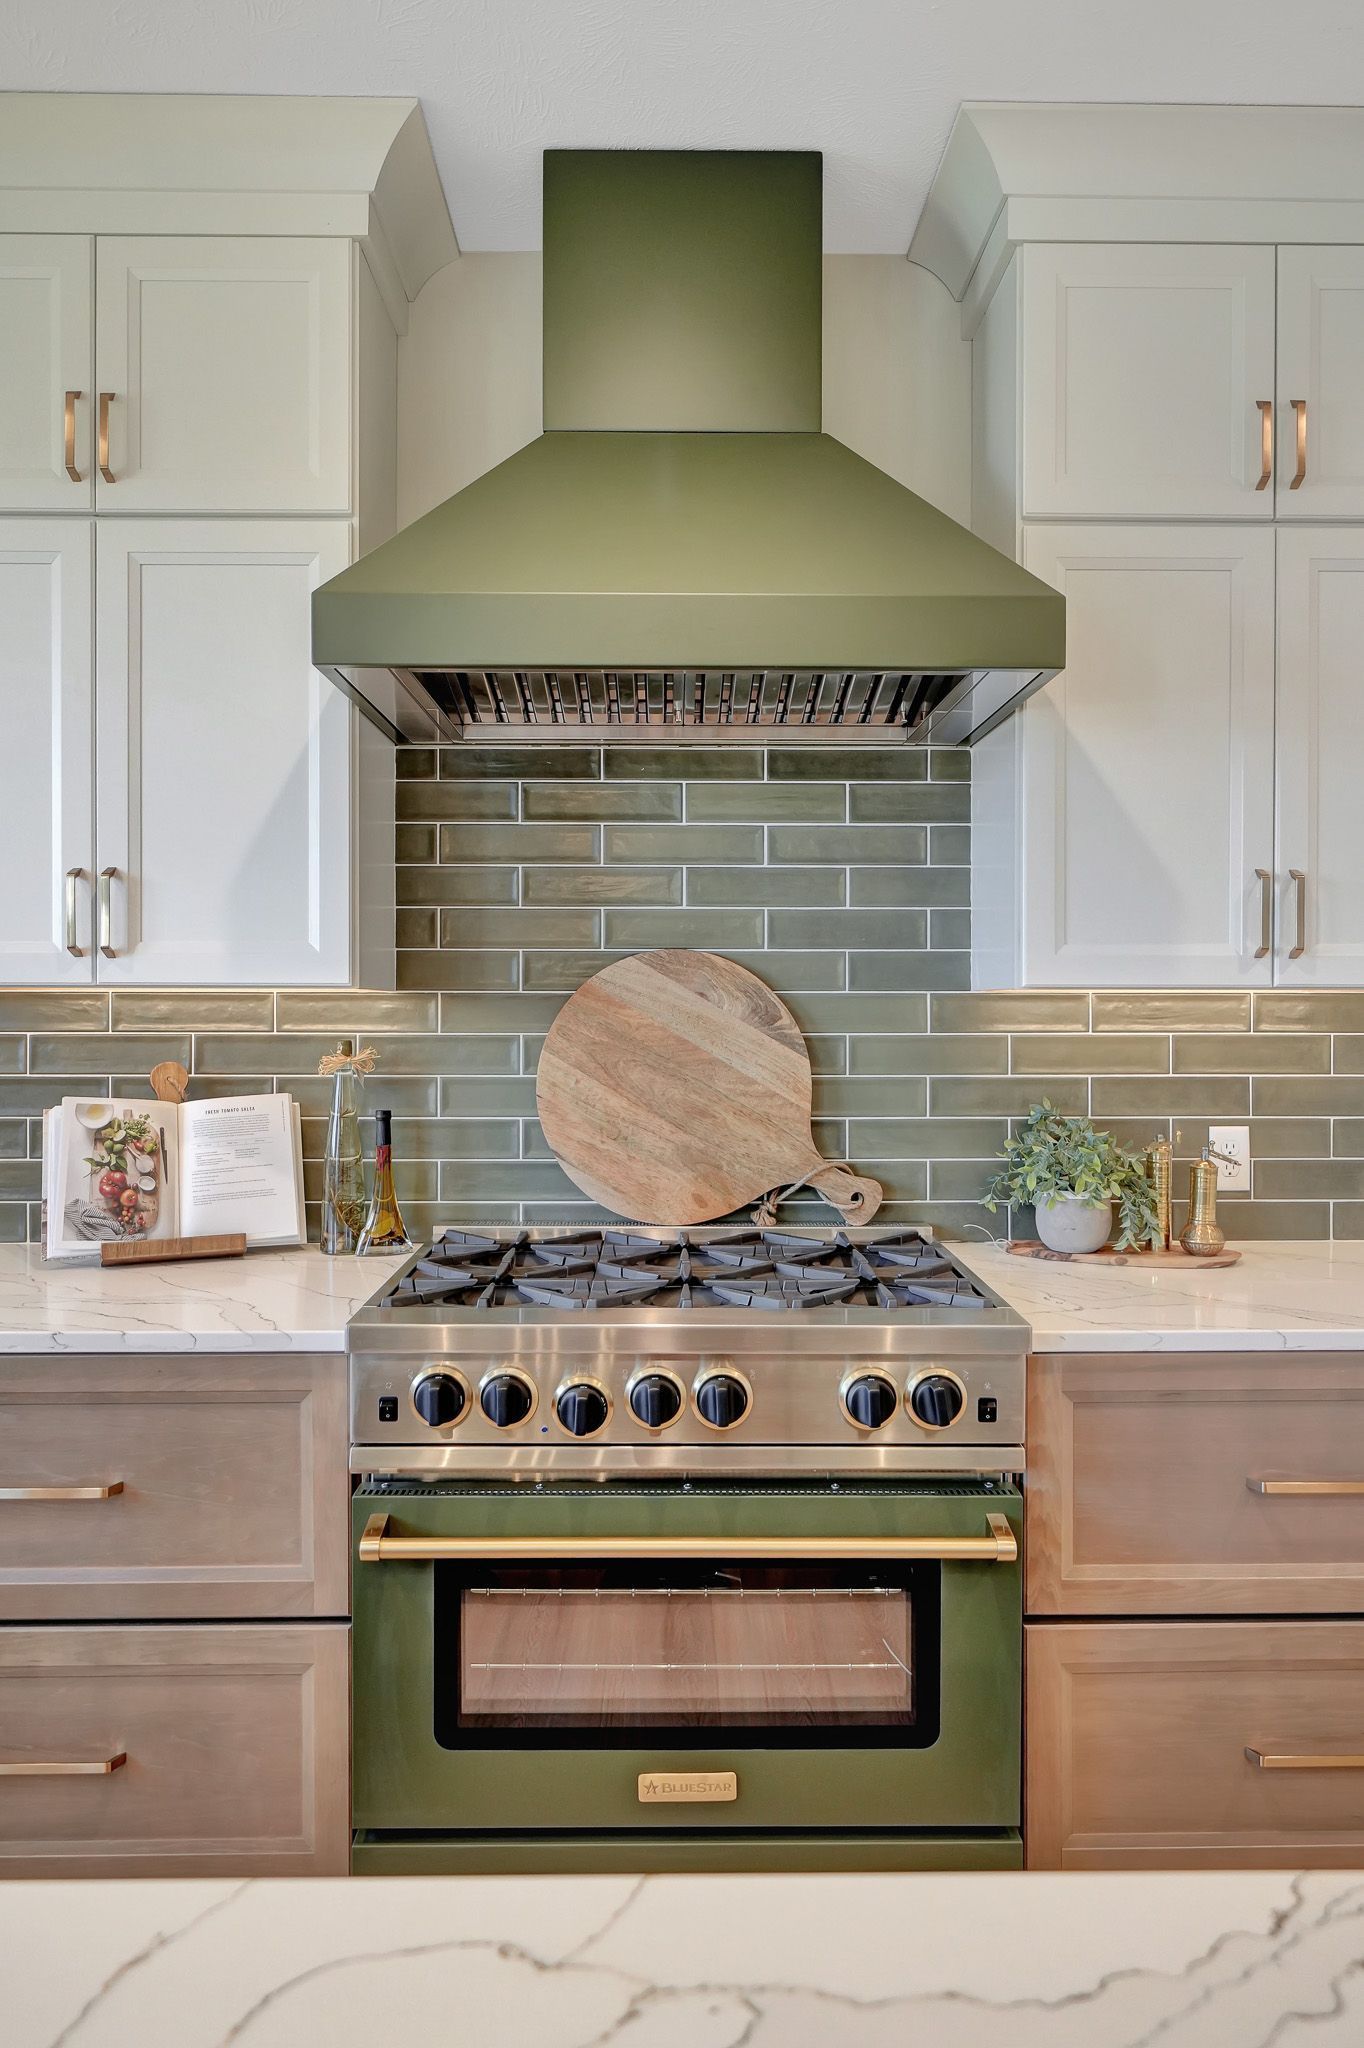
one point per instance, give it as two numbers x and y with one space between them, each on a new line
686 1550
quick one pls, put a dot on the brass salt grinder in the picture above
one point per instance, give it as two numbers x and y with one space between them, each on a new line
1160 1166
1202 1236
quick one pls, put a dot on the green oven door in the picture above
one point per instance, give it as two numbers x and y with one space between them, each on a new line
687 1655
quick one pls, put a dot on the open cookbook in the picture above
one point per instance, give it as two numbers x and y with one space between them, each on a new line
123 1171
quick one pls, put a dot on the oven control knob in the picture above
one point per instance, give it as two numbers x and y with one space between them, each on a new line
507 1399
936 1399
438 1399
722 1400
582 1408
870 1400
655 1399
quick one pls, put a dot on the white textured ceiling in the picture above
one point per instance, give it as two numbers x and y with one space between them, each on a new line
873 83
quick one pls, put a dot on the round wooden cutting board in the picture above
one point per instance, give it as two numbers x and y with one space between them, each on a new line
674 1087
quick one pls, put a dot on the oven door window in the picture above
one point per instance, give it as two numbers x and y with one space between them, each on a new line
769 1654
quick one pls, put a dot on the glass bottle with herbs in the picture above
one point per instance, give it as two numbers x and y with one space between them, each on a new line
343 1177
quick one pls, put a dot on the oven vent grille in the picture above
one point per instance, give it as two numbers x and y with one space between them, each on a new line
670 1484
858 704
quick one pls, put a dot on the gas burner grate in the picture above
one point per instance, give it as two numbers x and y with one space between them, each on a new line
771 1271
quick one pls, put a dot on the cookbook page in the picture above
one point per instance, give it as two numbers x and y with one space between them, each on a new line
113 1174
242 1169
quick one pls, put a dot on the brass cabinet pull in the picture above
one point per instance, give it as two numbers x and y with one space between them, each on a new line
1303 1487
73 875
106 912
105 1492
1266 881
1267 1760
999 1547
69 435
106 399
1296 952
1266 406
58 1767
1299 406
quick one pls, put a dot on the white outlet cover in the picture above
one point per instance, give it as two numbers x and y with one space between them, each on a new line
1233 1139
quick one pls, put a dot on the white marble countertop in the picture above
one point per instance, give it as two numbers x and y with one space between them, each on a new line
1283 1296
295 1300
1196 1960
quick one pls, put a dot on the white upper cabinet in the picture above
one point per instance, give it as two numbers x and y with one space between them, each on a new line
1319 472
222 365
1147 373
1147 766
46 373
225 785
1320 745
47 759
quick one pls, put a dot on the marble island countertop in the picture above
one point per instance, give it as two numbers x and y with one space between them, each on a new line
295 1300
1196 1960
1282 1296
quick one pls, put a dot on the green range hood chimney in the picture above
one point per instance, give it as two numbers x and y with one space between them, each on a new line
683 553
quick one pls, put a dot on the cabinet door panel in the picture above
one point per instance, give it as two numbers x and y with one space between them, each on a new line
231 1746
1142 367
1137 1741
1148 763
46 347
46 761
1320 755
225 758
229 363
1321 349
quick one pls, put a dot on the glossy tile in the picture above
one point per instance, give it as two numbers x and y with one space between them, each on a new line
846 764
898 1095
13 1055
414 764
909 970
851 929
1252 1052
1308 1095
477 883
439 970
81 1053
940 1053
414 928
910 803
926 885
1220 1096
468 1095
767 803
1014 1010
193 1010
856 1013
683 764
1284 1009
1013 1095
456 1138
648 802
467 926
479 763
414 844
927 1138
1308 1179
848 845
713 929
766 885
566 971
498 844
791 973
456 802
360 1009
705 845
1171 1010
495 1013
949 931
1052 1052
602 885
54 1009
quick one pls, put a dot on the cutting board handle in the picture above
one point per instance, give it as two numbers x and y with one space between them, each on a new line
856 1197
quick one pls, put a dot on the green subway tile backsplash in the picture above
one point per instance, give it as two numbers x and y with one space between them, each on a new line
839 875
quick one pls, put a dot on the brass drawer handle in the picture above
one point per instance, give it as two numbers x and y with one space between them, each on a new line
1266 1760
105 1492
106 399
999 1547
58 1767
1266 406
105 894
1318 1487
1299 406
73 875
69 435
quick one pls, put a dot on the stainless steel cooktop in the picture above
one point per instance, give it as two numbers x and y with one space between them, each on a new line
538 1353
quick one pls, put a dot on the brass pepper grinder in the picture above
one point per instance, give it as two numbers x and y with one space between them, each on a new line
1202 1236
1160 1166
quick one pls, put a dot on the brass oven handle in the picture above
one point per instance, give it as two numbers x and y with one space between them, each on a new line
1266 881
1340 1760
73 875
69 434
1297 875
105 1492
378 1547
1317 1487
58 1767
106 912
106 399
1266 406
1299 406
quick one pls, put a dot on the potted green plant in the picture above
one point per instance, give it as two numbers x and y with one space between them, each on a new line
1074 1177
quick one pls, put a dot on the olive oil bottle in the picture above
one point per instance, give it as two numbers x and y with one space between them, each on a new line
383 1230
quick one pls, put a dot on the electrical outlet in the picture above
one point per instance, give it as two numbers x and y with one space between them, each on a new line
1234 1141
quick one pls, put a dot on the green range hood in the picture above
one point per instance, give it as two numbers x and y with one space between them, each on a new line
683 553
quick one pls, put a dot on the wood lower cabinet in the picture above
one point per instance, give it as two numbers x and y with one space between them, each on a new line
1137 1740
176 1488
174 1752
1153 1484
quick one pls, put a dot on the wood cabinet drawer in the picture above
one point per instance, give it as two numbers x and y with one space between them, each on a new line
232 1494
1144 1479
1136 1741
234 1747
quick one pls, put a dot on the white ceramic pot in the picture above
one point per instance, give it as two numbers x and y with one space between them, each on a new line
1072 1223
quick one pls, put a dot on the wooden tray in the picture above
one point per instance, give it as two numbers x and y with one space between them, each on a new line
1028 1248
